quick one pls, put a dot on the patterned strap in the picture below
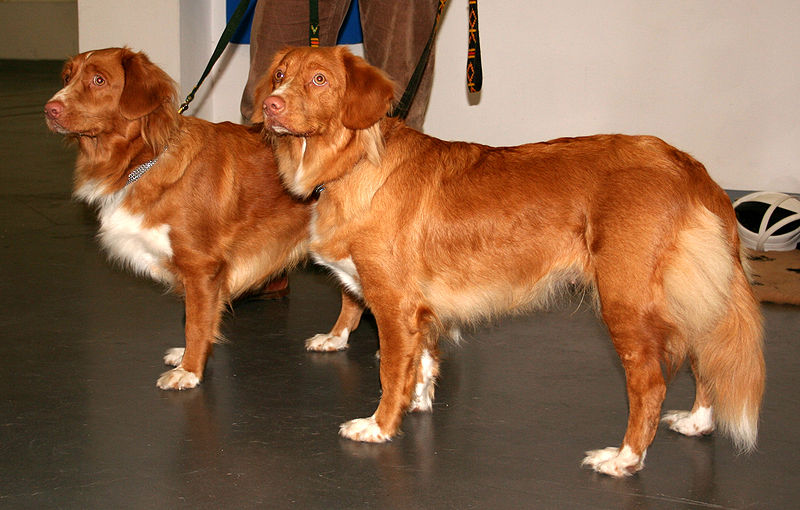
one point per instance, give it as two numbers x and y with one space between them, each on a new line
474 68
313 28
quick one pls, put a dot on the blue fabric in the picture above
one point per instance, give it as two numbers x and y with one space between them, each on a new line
350 33
242 35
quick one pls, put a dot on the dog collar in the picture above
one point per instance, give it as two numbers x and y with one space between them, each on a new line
142 169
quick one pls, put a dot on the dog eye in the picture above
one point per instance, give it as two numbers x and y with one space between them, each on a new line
98 80
319 79
66 78
278 75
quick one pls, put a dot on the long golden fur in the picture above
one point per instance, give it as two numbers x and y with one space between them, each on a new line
210 219
430 234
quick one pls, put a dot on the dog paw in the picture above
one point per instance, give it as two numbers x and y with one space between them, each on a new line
327 342
174 356
177 379
690 423
614 462
363 429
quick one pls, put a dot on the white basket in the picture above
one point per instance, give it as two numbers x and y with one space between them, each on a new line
764 239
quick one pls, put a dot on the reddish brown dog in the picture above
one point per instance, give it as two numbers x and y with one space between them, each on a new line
432 234
205 215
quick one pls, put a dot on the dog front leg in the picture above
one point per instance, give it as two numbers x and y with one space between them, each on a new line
402 342
348 320
203 311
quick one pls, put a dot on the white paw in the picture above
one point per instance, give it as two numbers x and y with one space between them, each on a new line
614 462
423 391
363 429
177 379
174 356
695 423
327 342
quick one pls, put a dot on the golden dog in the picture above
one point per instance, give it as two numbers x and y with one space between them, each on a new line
431 234
194 205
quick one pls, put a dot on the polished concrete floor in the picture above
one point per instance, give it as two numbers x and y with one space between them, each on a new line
82 424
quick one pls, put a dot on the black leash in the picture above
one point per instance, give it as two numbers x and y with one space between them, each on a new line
402 107
474 68
225 38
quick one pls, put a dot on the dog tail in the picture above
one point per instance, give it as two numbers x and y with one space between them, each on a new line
719 322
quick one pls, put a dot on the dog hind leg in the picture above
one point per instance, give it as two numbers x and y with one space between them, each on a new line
700 420
637 334
427 372
348 320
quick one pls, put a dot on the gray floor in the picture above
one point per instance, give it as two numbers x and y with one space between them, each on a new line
82 424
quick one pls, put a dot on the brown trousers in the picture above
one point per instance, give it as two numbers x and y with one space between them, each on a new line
395 33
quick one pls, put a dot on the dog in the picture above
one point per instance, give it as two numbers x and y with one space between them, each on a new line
431 234
194 205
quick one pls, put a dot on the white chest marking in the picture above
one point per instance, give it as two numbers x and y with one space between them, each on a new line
144 250
345 270
298 175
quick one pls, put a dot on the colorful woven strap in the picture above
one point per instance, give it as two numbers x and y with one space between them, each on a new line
474 68
313 28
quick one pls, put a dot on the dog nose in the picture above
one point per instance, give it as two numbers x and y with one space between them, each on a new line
274 104
54 109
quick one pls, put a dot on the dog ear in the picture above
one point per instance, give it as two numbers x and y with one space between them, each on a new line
146 86
369 93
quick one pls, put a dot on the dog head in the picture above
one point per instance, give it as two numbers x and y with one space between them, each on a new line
316 91
114 91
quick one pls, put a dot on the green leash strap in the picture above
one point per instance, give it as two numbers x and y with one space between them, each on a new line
225 38
313 29
401 110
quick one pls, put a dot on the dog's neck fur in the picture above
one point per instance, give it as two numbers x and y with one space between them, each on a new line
307 162
105 159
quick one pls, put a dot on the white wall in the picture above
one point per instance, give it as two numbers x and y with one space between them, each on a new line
149 25
717 78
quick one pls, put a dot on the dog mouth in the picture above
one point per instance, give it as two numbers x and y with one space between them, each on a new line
57 127
272 123
280 128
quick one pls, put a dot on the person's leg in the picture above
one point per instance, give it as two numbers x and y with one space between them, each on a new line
395 34
281 23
